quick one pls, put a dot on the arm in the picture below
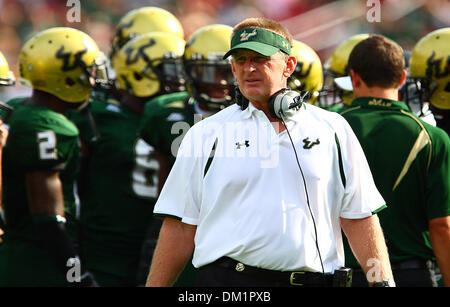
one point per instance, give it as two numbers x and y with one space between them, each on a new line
164 169
366 240
45 195
174 248
440 240
3 137
82 178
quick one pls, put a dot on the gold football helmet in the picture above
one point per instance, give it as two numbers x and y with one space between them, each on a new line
210 79
144 20
429 66
308 74
336 67
61 61
6 75
150 64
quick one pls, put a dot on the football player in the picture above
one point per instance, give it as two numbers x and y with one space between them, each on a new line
332 96
6 79
430 70
210 88
40 161
409 94
144 20
111 233
119 170
308 74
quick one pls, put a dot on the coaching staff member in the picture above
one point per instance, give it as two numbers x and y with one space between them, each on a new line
410 162
249 217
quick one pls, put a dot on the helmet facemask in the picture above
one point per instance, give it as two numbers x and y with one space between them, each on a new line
330 94
211 82
8 80
169 71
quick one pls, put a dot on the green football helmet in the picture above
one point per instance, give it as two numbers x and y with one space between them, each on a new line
210 79
150 64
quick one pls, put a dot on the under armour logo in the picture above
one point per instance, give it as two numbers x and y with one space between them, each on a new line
239 145
309 144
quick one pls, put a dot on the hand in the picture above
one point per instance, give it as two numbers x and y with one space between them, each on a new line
88 280
3 134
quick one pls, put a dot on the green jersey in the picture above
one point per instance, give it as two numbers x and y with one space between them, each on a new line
410 162
119 180
39 140
166 120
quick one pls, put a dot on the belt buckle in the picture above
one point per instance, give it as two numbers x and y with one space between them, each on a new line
292 281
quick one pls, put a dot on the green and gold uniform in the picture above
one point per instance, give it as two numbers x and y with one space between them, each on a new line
166 120
410 161
39 140
119 190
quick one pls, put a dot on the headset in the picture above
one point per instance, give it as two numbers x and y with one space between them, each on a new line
284 104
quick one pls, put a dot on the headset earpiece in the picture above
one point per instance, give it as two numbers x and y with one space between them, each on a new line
286 102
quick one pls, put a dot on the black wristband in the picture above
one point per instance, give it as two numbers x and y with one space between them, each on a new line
55 239
383 284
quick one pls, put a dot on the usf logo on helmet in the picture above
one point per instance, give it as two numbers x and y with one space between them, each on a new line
308 74
62 61
430 67
144 20
150 64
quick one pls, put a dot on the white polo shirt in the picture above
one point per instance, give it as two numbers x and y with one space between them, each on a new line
247 197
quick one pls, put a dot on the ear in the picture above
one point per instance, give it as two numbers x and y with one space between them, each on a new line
356 79
403 78
290 66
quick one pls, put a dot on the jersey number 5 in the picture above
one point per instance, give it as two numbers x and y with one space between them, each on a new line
146 171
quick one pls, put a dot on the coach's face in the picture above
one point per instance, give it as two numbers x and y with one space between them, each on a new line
260 76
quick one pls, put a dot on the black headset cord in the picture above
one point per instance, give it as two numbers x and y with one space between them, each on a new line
307 196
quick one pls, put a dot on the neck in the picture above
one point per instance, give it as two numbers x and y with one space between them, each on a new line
135 104
377 92
49 101
275 121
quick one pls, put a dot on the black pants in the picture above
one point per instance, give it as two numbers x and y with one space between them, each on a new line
416 276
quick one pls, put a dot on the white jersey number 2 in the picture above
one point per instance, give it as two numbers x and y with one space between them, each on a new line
47 145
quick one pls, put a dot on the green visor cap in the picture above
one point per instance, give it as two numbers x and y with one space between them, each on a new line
259 40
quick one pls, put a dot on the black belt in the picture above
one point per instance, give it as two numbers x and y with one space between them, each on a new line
411 264
295 278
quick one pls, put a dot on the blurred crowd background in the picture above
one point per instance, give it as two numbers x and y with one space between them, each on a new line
322 24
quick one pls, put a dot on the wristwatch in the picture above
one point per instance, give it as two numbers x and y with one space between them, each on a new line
384 283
